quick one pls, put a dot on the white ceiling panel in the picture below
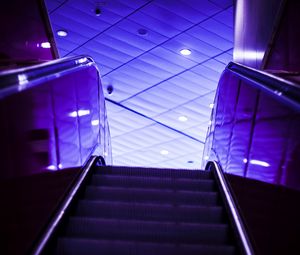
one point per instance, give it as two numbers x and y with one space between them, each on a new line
225 17
144 106
199 131
150 39
183 10
218 28
77 32
115 46
166 57
189 161
222 3
138 76
210 38
207 72
204 6
165 15
197 83
173 118
53 4
136 45
149 21
225 58
198 45
124 120
215 65
103 68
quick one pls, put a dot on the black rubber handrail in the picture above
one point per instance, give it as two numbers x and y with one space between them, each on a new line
283 90
16 80
65 206
237 223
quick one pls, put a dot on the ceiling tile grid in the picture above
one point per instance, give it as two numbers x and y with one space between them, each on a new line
161 100
53 4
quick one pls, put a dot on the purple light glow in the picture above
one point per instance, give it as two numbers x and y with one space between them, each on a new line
45 45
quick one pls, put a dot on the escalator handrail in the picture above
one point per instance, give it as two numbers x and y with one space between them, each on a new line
232 209
282 89
16 80
65 205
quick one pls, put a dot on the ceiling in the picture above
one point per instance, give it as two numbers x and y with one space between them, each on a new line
136 44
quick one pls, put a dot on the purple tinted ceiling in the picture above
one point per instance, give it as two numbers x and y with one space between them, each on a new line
148 73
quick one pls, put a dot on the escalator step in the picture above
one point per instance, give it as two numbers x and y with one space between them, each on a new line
153 182
74 246
156 212
142 231
155 172
151 196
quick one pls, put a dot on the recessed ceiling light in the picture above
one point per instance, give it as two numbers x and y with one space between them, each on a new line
164 152
211 105
182 118
62 33
185 52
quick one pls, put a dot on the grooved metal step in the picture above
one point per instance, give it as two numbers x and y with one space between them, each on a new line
153 182
143 231
154 172
147 211
142 211
76 246
136 195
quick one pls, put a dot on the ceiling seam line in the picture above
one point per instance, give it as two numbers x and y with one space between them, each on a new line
216 33
217 4
180 105
63 3
133 130
175 75
103 31
155 121
190 101
171 38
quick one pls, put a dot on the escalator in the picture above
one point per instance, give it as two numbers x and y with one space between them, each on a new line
122 210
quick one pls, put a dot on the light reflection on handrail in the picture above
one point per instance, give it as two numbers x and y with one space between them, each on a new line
16 80
283 90
232 208
52 227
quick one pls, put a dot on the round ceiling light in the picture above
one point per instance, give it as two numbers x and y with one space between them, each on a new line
164 152
182 118
185 52
62 33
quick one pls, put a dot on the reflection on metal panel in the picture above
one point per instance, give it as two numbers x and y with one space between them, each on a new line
255 135
55 124
254 25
